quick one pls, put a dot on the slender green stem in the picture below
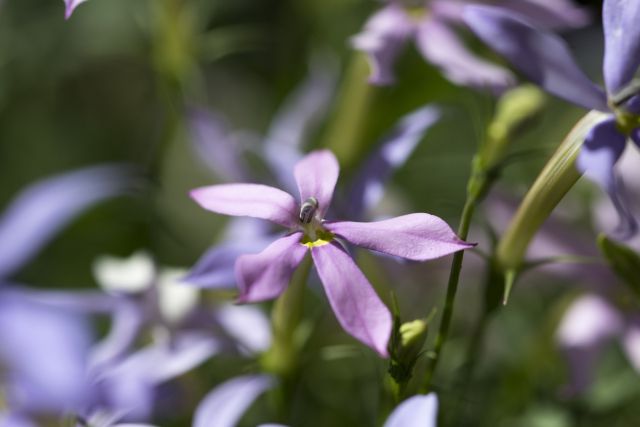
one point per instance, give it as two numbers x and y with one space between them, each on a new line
452 288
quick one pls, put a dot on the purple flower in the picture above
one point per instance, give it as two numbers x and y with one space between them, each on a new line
546 60
265 275
432 28
587 326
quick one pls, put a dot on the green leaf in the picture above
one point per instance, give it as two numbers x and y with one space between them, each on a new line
624 261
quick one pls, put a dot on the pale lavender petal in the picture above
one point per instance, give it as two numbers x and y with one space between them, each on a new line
265 275
247 324
215 146
442 47
70 6
164 361
417 237
316 175
602 148
15 420
44 351
393 152
631 345
417 411
86 302
127 322
215 269
225 405
622 42
44 208
354 301
549 14
541 56
588 321
382 39
253 200
297 118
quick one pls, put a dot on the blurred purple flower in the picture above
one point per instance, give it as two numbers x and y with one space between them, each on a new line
587 326
265 275
546 60
432 28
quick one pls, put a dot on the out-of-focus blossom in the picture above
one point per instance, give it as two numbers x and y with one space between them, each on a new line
417 411
70 6
45 347
432 26
225 405
265 275
546 60
587 326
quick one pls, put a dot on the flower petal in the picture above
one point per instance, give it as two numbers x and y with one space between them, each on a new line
541 56
393 152
215 146
298 117
355 303
384 35
215 269
622 42
316 175
418 411
265 275
43 354
442 47
417 237
44 208
131 275
602 148
549 14
247 324
70 6
225 404
254 200
587 322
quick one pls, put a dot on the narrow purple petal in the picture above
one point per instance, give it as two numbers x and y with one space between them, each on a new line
541 56
265 275
418 411
354 301
442 47
622 42
215 146
316 175
247 324
225 404
299 116
43 353
417 237
253 200
602 148
215 269
15 420
549 14
127 322
382 39
44 208
393 152
70 6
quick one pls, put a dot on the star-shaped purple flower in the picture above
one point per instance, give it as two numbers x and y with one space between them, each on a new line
265 275
432 26
546 60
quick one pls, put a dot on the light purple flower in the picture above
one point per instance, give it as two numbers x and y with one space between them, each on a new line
432 29
417 411
265 275
546 60
590 323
